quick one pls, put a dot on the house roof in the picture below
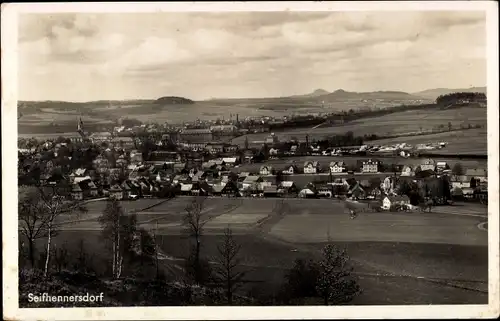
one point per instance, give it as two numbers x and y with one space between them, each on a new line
313 163
339 164
308 190
218 187
287 184
229 159
186 187
82 179
251 179
441 163
270 189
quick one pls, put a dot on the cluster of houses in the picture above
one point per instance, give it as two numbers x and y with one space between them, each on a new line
122 172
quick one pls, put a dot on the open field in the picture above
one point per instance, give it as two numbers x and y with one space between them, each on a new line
429 253
471 141
391 124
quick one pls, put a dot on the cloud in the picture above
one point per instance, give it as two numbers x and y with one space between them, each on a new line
143 54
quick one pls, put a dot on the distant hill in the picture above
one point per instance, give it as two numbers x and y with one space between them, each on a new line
341 94
172 100
316 93
436 92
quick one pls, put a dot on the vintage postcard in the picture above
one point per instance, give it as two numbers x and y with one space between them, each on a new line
267 160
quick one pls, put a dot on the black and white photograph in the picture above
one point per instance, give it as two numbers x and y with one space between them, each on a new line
316 156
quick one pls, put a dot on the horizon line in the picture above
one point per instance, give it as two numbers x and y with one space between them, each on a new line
238 98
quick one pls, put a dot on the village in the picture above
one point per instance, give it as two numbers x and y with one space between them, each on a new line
192 163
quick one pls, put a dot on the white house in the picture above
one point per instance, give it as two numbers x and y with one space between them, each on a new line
311 167
370 166
390 201
290 170
407 171
266 170
337 167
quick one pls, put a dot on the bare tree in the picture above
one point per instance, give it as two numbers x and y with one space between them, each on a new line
335 284
31 218
120 229
52 205
194 220
227 263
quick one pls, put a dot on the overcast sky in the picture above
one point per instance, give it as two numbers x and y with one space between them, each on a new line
82 57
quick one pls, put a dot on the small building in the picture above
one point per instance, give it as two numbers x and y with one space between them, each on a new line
290 170
311 167
407 171
441 166
116 192
337 167
370 166
428 164
324 191
272 139
287 188
230 161
214 148
266 170
76 192
391 201
308 192
270 191
186 189
230 189
250 181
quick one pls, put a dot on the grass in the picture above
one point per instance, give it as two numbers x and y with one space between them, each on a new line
396 123
435 245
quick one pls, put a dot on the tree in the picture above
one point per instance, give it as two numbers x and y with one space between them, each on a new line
458 170
301 279
194 219
449 126
473 182
335 284
54 205
32 218
227 272
246 143
121 230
